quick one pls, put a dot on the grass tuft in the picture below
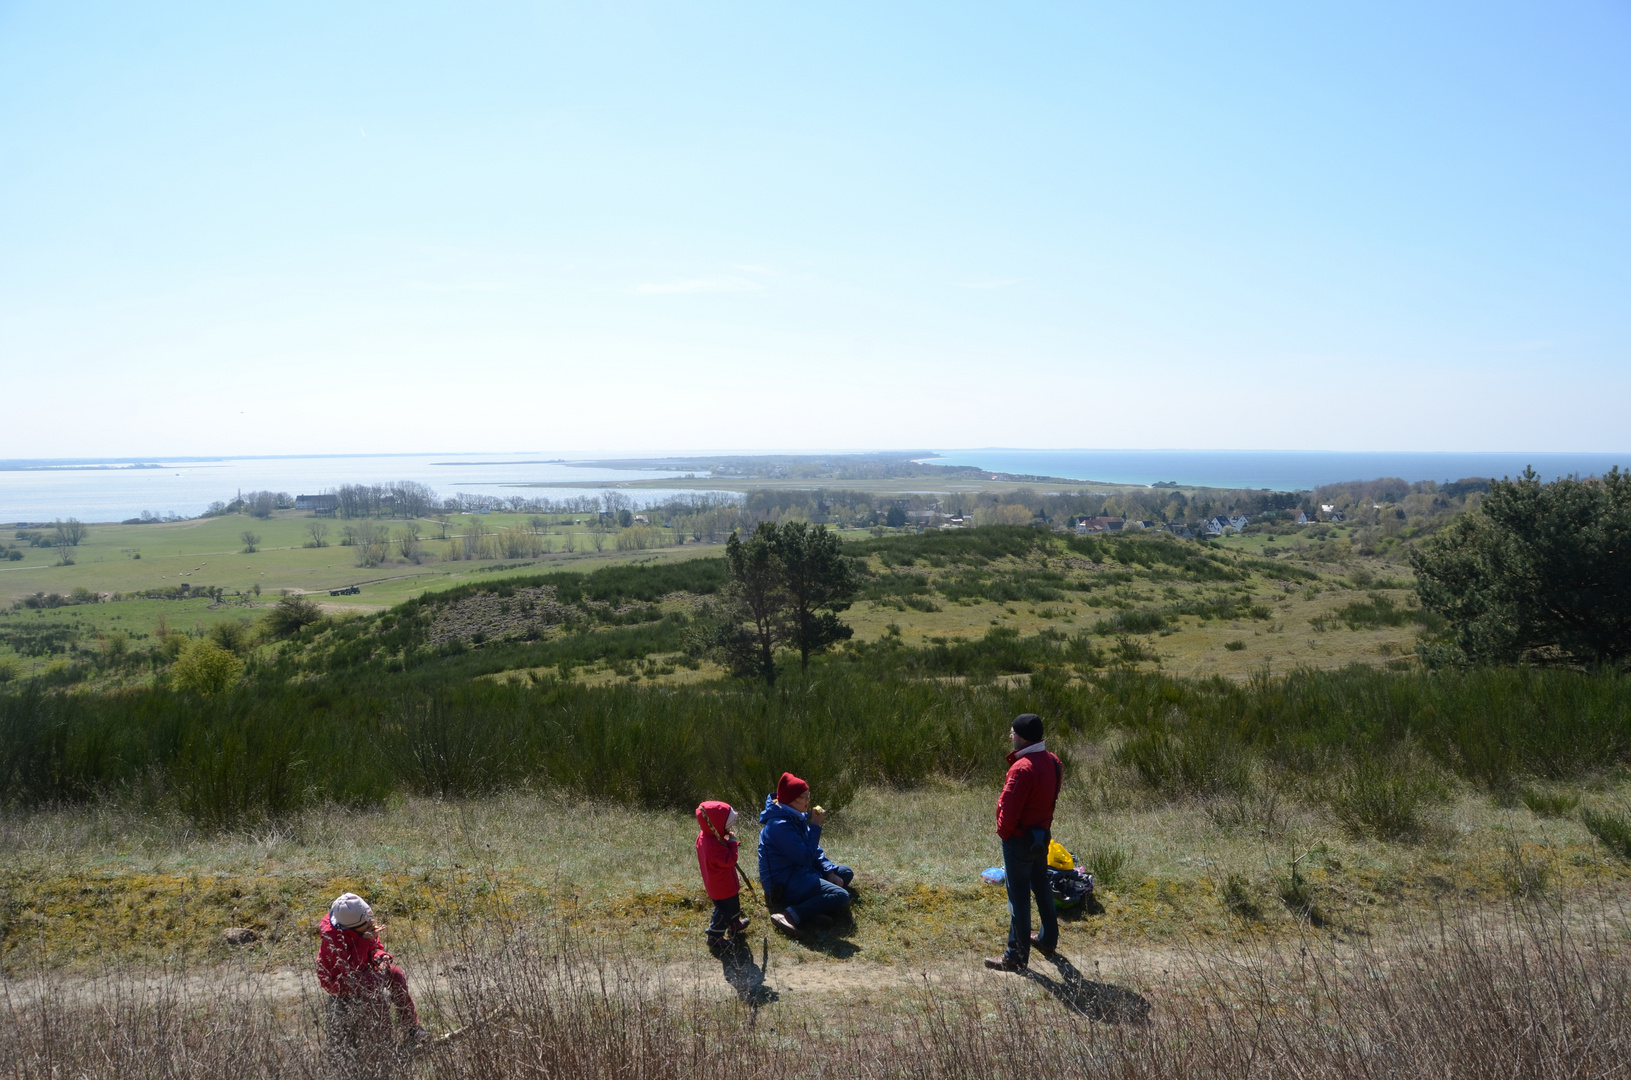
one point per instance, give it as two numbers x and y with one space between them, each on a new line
1387 799
1238 898
1612 829
1555 804
1108 863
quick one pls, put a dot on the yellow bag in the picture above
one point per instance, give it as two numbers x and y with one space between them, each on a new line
1058 857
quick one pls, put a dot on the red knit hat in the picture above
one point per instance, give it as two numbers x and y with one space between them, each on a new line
790 788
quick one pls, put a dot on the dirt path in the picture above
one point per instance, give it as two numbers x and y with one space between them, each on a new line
756 974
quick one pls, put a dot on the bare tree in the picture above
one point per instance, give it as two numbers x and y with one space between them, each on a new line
373 543
71 532
413 499
319 533
474 535
251 542
407 542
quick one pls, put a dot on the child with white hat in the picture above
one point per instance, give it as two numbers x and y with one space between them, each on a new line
359 975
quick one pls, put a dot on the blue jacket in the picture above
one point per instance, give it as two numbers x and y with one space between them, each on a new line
790 855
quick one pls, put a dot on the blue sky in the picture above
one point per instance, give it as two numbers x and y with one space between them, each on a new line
639 227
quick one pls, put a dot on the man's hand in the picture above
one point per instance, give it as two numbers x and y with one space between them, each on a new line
817 816
836 880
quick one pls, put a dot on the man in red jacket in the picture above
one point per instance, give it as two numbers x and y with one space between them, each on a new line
1025 824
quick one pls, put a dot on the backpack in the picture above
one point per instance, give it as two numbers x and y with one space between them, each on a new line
1070 888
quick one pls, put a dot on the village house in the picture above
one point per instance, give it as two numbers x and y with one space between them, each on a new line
1086 525
324 505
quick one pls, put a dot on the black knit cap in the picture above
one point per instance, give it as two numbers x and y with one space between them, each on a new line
1028 726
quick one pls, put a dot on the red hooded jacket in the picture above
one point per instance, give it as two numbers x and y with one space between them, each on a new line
344 954
715 854
1027 798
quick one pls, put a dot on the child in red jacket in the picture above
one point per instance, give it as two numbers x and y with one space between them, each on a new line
359 975
716 855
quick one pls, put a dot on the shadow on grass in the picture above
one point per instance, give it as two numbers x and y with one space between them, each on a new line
1095 1000
827 934
744 974
1089 906
830 939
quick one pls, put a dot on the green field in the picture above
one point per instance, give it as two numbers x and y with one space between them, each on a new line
207 553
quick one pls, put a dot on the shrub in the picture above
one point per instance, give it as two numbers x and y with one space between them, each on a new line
1108 863
1385 798
1237 897
231 635
1137 621
1550 804
1200 761
289 615
1612 829
205 668
1298 896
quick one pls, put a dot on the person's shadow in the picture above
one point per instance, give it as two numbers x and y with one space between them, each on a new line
744 974
1094 1000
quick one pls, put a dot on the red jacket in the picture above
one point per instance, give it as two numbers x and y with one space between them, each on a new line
715 854
343 954
1029 793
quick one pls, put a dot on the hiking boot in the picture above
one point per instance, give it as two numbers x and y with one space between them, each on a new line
717 944
418 1038
784 924
739 926
1036 943
1003 963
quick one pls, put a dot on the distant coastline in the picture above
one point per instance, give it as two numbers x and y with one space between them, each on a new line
114 489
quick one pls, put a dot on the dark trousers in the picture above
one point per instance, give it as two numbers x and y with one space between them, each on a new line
725 913
1026 871
826 899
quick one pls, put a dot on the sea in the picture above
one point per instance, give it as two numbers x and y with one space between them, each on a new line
109 490
1274 470
185 487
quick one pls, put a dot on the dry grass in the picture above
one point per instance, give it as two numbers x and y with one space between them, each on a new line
1528 992
82 888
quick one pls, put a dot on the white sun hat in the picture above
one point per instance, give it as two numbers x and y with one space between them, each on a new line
350 911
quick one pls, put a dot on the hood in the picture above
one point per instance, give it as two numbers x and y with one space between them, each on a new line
774 810
717 812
